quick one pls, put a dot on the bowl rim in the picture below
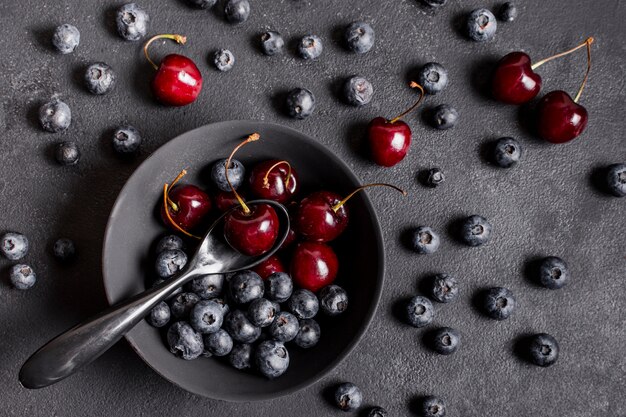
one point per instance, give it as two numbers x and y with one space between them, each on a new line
174 142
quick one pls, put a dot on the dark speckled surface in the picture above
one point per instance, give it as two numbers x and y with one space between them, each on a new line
547 205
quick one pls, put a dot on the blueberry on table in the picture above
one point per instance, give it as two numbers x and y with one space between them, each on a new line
445 340
333 300
237 11
55 116
224 60
444 117
445 288
66 38
208 286
202 4
184 342
272 43
278 287
377 412
132 22
310 47
169 242
236 174
432 407
476 231
498 303
435 3
303 304
616 179
507 12
419 311
218 343
543 349
262 312
359 37
239 327
246 286
182 304
241 356
22 276
126 140
64 249
433 77
13 246
300 103
358 91
434 177
99 78
160 315
481 25
507 152
169 262
424 240
206 316
285 327
348 397
271 358
553 273
308 334
67 153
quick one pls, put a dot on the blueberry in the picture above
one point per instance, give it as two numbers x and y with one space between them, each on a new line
262 312
433 77
223 304
67 153
444 288
278 287
240 356
507 152
55 116
357 91
377 412
160 315
64 249
359 37
419 311
333 300
285 327
498 303
206 316
169 262
424 240
184 342
126 140
272 43
445 340
132 22
308 334
300 103
348 397
218 343
202 4
310 47
432 407
224 60
303 304
476 230
507 12
271 358
481 25
22 276
169 242
239 327
553 273
543 349
237 11
435 3
616 179
14 246
444 117
182 304
99 78
434 177
208 286
245 286
66 38
236 174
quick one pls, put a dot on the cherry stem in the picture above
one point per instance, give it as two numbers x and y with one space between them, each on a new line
582 86
253 137
173 205
413 84
166 201
337 206
266 181
178 38
587 42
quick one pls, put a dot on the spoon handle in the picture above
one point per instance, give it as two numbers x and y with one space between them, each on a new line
83 343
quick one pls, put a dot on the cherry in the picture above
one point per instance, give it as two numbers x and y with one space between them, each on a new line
313 265
269 266
250 230
178 80
225 200
323 216
184 206
390 140
274 180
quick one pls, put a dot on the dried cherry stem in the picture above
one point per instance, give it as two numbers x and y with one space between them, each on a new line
178 38
587 42
582 86
168 203
413 84
266 181
253 137
337 206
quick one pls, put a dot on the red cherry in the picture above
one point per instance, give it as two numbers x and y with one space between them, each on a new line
225 200
269 266
178 80
514 81
560 118
313 265
184 206
253 232
390 140
274 180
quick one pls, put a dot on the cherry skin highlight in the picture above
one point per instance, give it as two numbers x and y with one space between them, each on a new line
274 180
389 141
252 233
178 81
560 119
514 81
269 266
313 265
316 220
190 206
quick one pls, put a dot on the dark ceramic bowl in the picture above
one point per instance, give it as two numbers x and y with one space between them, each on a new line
133 227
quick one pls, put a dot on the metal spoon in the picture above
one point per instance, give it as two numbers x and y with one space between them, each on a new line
83 343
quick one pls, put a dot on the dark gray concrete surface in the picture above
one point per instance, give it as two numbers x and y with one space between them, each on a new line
547 205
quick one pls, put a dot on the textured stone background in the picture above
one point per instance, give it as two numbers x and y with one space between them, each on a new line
548 205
